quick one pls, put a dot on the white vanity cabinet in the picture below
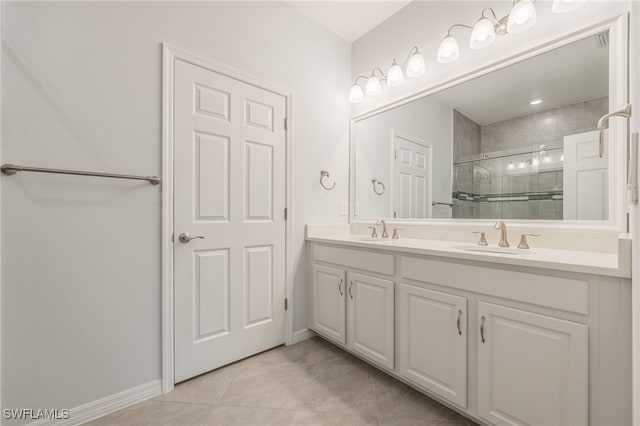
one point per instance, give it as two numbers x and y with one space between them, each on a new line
433 341
532 369
503 344
370 309
329 317
353 308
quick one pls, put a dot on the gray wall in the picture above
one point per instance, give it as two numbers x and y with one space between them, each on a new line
428 119
546 127
81 88
466 136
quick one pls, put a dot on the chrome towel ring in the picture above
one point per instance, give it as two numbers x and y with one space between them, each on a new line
375 182
325 174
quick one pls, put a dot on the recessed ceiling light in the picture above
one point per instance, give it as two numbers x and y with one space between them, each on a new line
535 102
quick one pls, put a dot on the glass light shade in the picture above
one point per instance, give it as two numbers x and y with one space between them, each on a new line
483 34
373 86
395 76
522 164
564 6
449 50
522 17
355 94
510 166
416 66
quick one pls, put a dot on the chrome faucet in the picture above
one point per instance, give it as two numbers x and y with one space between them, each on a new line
384 228
503 233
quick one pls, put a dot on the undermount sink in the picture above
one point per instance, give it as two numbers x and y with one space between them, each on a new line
371 239
489 249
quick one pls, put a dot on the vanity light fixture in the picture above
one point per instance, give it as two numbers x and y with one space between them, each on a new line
522 17
510 166
564 6
414 66
546 159
535 162
373 83
395 76
522 164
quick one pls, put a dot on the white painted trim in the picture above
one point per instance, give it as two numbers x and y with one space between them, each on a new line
106 405
170 54
618 94
301 336
1 7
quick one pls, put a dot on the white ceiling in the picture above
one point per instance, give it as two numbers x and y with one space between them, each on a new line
564 76
347 18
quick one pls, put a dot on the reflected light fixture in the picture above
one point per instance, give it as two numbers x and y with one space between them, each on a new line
510 166
535 162
564 6
535 102
546 159
522 164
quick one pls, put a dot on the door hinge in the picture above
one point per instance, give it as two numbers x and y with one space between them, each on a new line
286 304
285 124
395 154
286 213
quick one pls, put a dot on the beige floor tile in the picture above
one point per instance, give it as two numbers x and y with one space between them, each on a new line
207 388
311 383
158 413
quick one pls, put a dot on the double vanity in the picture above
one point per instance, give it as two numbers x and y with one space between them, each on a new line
502 335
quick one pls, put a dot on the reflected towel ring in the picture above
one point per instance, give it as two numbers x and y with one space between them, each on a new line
375 182
324 174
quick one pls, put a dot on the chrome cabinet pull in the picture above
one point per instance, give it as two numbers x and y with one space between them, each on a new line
482 329
340 287
458 322
350 285
185 237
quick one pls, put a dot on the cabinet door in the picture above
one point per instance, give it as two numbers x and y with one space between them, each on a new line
371 318
532 369
433 341
329 288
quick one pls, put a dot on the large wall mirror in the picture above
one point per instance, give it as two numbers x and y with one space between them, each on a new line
519 142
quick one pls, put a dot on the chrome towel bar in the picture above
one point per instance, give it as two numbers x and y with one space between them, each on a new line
12 169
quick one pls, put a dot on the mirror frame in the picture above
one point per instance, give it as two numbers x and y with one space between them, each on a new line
618 131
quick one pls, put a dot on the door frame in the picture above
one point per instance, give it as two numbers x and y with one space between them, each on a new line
169 55
396 133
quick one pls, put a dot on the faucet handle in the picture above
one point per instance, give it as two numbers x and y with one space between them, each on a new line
523 241
374 233
395 233
483 239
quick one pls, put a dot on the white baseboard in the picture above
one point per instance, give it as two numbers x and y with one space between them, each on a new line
302 335
106 405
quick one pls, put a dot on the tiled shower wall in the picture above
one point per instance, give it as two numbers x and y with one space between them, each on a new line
488 177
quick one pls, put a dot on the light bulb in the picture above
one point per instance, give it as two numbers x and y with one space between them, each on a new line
355 94
373 86
510 166
483 34
546 159
416 66
448 51
522 164
395 76
522 17
564 6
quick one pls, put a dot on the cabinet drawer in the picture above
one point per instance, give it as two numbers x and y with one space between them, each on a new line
566 294
381 263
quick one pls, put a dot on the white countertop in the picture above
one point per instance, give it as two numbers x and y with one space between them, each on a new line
561 260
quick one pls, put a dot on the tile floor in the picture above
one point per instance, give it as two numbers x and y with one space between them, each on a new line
311 383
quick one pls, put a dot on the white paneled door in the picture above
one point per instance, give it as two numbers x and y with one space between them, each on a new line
411 177
229 198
